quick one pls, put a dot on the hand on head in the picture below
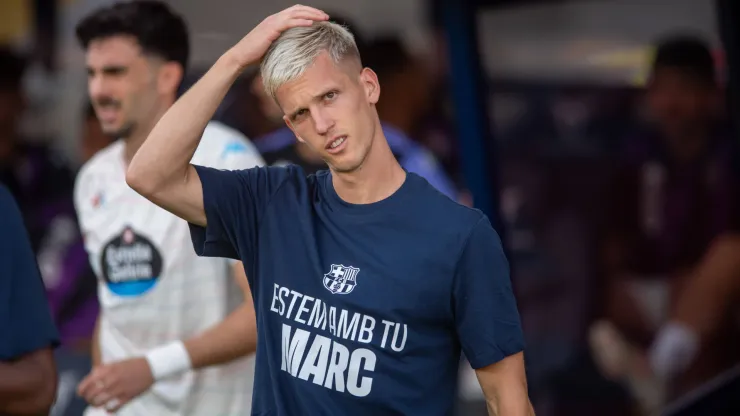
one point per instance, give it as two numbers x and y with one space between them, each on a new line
252 47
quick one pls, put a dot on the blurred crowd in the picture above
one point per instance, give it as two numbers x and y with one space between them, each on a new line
620 208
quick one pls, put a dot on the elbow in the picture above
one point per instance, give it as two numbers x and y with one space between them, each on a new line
137 181
134 177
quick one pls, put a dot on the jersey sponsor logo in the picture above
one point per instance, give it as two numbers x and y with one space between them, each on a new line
341 280
131 264
333 347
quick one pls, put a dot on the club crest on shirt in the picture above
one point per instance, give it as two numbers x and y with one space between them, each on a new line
341 280
131 263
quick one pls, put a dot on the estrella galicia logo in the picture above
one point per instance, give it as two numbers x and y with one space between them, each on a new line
131 264
341 280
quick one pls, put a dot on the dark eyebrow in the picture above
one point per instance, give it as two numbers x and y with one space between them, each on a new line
294 114
317 97
111 69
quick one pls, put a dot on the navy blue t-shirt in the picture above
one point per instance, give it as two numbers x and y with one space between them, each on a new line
26 324
361 309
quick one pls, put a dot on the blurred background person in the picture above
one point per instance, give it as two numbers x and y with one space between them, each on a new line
42 184
672 245
407 98
166 314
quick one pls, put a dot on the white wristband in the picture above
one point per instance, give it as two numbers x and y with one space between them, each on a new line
168 360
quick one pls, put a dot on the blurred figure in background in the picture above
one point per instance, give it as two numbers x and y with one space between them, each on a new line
39 181
42 185
406 99
166 314
671 250
388 59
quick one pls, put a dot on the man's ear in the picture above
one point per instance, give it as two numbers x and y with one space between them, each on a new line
369 81
290 126
169 77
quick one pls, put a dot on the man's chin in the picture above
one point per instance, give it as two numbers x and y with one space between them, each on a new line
117 132
345 167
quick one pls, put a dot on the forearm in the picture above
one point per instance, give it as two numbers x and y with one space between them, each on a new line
234 337
95 344
169 148
509 402
26 388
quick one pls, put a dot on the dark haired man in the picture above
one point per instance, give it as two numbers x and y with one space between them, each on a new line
166 314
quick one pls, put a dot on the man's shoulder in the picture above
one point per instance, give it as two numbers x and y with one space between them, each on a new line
101 164
11 219
6 198
103 160
8 205
441 210
96 174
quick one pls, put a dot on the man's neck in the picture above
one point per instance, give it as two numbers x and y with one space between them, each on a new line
378 178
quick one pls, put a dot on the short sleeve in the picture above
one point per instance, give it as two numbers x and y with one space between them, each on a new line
486 315
26 324
236 153
235 202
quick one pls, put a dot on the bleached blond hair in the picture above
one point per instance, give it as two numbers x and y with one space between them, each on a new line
297 48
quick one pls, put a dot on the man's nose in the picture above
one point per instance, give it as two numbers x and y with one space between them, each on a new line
98 87
322 122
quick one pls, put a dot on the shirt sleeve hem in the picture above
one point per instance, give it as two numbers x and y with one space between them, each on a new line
491 357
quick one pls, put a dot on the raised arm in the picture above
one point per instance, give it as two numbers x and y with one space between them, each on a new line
161 170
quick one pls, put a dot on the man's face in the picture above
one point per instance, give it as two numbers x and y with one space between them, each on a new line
679 102
122 83
331 108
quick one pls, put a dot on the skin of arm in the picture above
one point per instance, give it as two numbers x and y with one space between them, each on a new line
234 337
504 386
28 384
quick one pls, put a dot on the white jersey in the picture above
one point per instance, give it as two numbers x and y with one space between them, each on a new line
153 288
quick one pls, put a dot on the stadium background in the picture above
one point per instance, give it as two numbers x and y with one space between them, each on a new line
533 99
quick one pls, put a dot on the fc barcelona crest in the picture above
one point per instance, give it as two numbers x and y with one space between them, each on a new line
341 280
